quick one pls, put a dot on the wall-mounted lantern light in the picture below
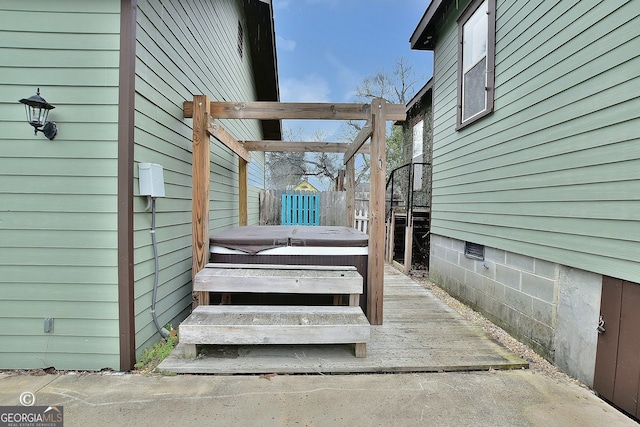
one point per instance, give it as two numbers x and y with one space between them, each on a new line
37 112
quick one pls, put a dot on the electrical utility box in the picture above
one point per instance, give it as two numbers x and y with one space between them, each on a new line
151 179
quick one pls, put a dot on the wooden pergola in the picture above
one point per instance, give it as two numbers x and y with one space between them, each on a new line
205 113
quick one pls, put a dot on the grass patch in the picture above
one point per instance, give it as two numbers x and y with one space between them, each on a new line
151 357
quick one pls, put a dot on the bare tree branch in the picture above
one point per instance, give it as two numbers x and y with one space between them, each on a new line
285 170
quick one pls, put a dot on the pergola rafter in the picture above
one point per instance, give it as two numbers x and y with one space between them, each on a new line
364 134
204 113
218 132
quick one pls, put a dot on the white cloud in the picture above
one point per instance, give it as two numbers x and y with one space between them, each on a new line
312 88
285 45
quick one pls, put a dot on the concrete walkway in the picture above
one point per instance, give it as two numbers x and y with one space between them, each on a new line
497 398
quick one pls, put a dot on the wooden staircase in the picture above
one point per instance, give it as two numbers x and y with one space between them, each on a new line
277 324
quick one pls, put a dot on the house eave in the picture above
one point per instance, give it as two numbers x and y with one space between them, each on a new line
424 36
262 44
426 89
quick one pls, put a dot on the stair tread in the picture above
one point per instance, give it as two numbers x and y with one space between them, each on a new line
246 278
229 324
272 314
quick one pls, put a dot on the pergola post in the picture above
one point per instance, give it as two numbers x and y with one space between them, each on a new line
243 190
378 169
200 191
350 186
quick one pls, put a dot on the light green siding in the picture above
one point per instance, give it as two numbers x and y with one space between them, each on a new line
58 210
183 49
554 172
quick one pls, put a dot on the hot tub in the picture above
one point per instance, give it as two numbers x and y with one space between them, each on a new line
294 245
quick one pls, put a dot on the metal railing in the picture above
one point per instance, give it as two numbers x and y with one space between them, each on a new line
401 191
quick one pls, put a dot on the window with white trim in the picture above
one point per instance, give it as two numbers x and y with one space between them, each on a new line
418 148
476 61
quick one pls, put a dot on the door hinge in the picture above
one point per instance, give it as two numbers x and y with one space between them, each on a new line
601 329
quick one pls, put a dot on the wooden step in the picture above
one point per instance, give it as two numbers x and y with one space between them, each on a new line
241 325
290 279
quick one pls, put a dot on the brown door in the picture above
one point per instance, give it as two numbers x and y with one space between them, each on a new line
617 373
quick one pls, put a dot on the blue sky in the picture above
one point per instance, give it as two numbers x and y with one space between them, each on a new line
326 48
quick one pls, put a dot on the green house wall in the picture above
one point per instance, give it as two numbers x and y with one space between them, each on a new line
183 49
58 211
554 171
59 199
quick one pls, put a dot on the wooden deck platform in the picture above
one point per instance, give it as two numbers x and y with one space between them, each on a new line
420 334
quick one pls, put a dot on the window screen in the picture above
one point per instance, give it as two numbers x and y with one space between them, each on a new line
476 62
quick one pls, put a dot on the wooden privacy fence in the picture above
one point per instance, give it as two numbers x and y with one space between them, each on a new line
332 208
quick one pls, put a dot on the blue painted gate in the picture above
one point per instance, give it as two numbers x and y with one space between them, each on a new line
300 209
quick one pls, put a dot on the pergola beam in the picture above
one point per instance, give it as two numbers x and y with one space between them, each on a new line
264 110
300 146
286 110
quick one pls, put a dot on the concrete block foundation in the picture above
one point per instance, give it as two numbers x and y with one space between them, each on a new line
551 307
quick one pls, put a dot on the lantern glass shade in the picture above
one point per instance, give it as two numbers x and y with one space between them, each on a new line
36 116
37 110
